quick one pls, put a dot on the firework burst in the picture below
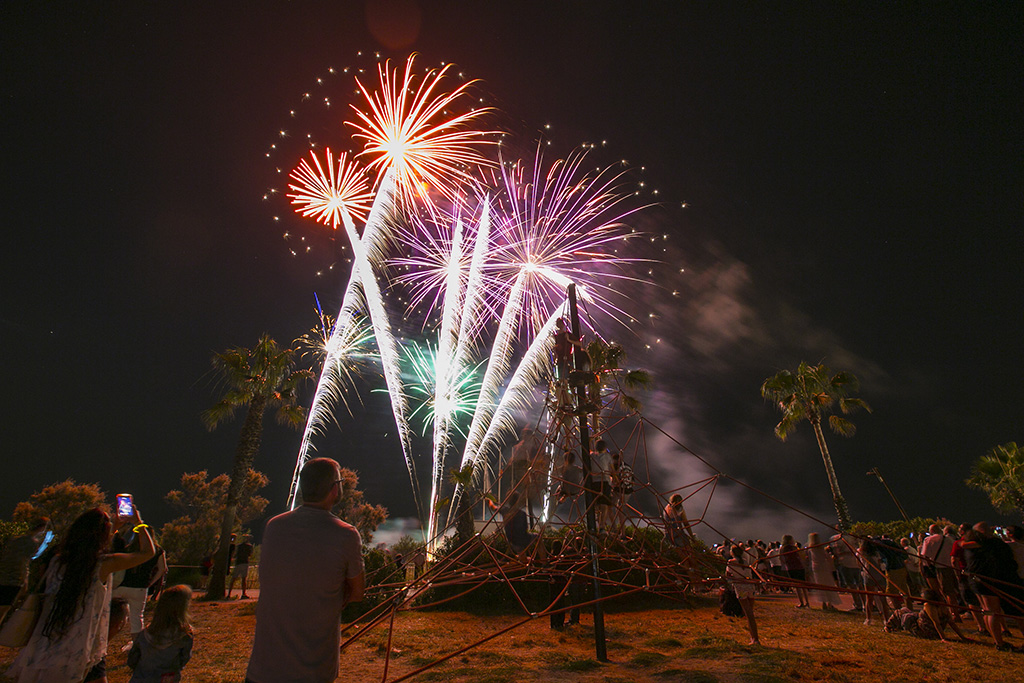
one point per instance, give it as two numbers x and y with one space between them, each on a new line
557 226
408 130
328 196
460 399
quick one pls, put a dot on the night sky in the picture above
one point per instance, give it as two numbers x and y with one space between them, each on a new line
852 175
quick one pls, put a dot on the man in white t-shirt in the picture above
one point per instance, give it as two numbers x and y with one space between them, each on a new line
936 567
311 566
844 552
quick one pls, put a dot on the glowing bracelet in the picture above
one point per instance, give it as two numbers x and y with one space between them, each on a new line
140 526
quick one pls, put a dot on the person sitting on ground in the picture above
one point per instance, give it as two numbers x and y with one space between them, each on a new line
931 622
741 577
935 618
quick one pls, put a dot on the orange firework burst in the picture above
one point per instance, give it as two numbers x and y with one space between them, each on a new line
327 196
411 132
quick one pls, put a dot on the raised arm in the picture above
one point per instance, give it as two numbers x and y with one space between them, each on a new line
119 561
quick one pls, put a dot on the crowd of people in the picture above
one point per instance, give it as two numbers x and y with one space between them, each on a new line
929 589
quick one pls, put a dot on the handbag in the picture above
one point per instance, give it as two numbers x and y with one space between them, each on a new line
21 622
728 603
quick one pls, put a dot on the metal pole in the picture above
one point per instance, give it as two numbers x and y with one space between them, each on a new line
874 471
588 492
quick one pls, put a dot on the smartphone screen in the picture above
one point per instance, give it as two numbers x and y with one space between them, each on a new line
124 505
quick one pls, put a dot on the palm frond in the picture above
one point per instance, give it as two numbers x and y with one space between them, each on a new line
212 417
844 382
291 415
841 426
632 404
849 405
786 426
637 379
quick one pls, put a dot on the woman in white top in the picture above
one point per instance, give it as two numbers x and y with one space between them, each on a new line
71 635
741 577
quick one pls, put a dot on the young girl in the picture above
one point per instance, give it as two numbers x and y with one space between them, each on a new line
161 651
741 577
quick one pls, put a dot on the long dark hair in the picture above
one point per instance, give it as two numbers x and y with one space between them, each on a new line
79 553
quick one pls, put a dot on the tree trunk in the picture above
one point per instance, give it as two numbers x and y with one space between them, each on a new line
245 454
842 511
464 526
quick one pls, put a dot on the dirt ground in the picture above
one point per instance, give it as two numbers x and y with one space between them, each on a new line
678 643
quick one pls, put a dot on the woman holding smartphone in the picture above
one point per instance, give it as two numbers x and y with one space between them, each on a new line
71 635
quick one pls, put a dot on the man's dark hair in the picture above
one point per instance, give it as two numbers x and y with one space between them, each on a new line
317 478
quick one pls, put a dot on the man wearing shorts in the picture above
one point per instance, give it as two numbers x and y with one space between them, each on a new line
241 571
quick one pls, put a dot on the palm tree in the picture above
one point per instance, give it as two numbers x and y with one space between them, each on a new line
808 395
464 525
1000 474
605 360
262 377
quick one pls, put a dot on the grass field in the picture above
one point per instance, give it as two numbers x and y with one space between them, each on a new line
677 643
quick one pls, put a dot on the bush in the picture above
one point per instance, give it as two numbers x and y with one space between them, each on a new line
9 530
190 576
899 528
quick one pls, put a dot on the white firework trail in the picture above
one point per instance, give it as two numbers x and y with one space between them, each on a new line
363 287
516 397
446 369
474 300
